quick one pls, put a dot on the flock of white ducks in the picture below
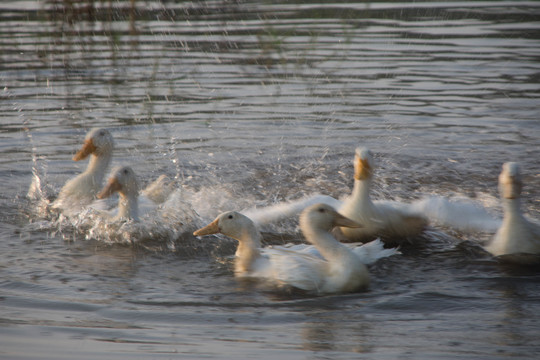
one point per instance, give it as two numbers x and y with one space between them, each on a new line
397 222
325 266
84 189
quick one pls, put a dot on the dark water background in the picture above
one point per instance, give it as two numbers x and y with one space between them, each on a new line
251 103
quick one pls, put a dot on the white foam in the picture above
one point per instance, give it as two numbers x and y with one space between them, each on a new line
460 214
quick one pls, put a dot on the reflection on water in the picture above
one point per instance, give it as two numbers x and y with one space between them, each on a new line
249 103
335 333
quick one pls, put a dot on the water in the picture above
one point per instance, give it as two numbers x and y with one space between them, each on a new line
255 103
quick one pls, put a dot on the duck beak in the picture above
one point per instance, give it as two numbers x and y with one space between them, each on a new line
362 169
512 187
112 186
87 149
342 221
212 228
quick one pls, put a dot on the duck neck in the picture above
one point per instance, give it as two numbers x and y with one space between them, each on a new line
512 209
327 245
128 207
97 167
249 244
360 192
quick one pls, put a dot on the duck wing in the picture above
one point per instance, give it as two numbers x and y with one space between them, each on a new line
372 251
283 210
368 253
288 267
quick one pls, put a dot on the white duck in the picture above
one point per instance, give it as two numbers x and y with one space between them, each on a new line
131 203
123 181
82 189
339 269
517 234
392 221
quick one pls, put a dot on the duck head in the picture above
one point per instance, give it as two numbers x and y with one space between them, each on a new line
98 141
122 180
231 223
510 183
324 217
363 164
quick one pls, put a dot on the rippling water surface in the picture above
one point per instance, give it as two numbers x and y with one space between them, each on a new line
252 103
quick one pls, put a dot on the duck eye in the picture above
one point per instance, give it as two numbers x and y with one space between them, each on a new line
321 210
126 171
230 216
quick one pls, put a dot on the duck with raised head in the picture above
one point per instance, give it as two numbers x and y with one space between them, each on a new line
132 203
124 182
337 269
82 189
517 234
393 222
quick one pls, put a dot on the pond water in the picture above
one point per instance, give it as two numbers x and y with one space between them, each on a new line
254 103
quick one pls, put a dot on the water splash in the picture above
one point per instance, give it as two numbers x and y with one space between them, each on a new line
165 226
172 223
39 192
460 214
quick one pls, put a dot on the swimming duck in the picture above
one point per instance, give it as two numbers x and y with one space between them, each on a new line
392 221
336 269
131 204
516 234
123 181
82 189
